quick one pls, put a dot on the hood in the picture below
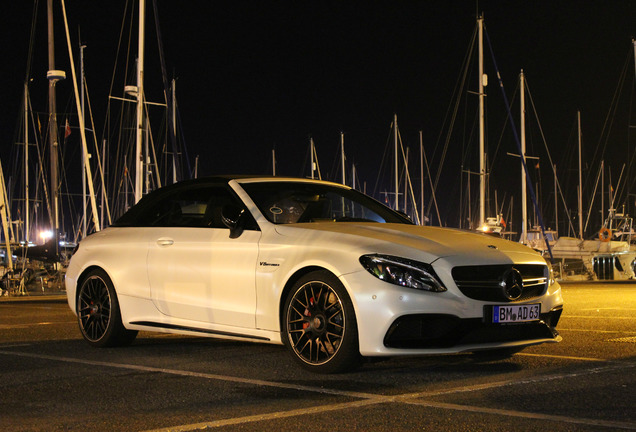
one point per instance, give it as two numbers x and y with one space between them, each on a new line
425 243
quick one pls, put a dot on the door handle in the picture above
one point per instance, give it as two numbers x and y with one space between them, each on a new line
165 242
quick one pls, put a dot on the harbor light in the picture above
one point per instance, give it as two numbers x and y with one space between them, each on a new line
46 235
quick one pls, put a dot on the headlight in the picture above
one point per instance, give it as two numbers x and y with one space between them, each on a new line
403 272
551 276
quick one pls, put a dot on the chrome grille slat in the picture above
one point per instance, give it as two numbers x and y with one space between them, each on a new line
484 282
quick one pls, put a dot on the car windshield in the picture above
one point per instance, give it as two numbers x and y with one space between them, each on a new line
302 202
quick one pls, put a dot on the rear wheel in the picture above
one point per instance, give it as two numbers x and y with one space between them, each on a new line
98 312
319 324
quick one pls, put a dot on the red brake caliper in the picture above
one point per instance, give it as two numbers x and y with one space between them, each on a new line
307 313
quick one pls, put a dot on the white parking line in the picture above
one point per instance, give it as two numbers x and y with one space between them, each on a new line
589 359
367 398
27 325
527 415
270 416
596 331
410 399
600 317
193 374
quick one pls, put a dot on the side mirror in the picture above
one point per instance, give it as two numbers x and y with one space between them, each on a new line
232 217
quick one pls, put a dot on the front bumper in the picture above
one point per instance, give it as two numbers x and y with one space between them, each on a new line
439 331
397 321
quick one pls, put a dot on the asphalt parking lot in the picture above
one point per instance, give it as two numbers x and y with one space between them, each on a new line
52 380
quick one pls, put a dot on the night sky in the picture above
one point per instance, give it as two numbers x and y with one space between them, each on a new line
257 76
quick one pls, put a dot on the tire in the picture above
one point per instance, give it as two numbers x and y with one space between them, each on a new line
98 313
319 324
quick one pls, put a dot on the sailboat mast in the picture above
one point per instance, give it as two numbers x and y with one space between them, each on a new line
342 158
407 180
82 128
140 103
84 232
421 179
274 162
556 201
5 221
26 162
397 180
580 181
53 76
524 199
634 44
174 129
602 193
482 169
311 150
353 176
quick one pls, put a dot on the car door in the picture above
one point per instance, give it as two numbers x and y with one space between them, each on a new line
196 271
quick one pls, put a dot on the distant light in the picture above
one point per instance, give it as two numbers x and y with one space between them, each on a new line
484 228
45 235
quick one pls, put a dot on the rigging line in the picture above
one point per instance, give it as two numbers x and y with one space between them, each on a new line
63 185
183 140
629 184
317 164
466 149
34 20
40 172
43 171
335 167
458 92
152 146
119 44
630 127
618 185
97 151
516 135
589 212
164 76
503 130
119 158
545 143
386 149
408 179
430 180
81 118
307 153
605 132
112 79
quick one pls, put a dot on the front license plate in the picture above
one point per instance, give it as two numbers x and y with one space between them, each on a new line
516 313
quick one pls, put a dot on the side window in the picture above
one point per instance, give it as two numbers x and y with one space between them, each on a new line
191 207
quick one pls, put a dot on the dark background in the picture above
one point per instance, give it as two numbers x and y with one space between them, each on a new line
256 76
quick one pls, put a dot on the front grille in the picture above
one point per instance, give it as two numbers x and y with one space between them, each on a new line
431 331
485 282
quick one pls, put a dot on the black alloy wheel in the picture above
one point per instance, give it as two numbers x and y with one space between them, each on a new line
320 326
98 312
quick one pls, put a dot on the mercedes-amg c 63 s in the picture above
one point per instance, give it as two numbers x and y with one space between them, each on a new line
327 271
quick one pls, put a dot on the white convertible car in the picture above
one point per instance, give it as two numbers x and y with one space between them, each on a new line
327 271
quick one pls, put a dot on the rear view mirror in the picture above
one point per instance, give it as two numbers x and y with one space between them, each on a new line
232 217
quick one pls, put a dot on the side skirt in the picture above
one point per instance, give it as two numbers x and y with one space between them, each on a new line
198 330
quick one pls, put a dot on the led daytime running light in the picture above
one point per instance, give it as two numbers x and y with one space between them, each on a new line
403 272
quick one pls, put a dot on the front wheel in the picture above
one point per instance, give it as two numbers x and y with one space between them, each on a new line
98 312
319 324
